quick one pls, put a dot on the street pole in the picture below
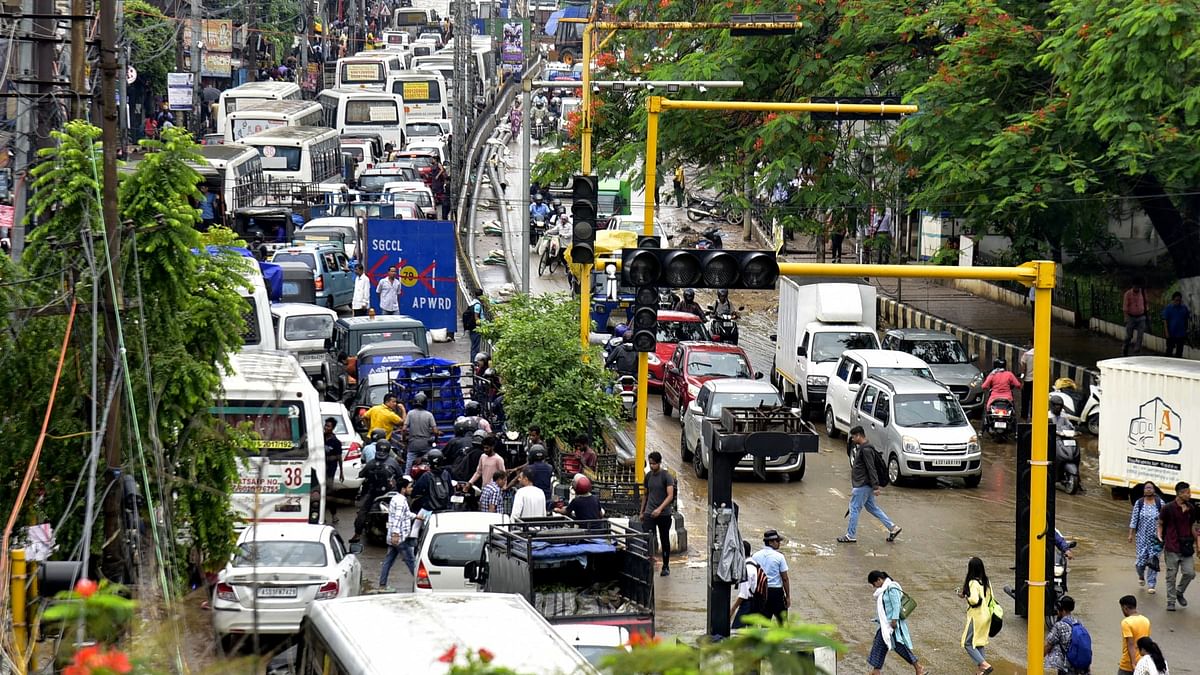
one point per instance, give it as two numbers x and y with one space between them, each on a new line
78 51
250 50
22 146
1039 467
526 97
196 49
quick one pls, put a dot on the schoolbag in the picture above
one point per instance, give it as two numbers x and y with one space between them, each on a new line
881 470
377 476
760 587
1079 653
439 491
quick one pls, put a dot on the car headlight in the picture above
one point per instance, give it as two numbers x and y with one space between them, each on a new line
977 380
653 359
973 445
693 390
911 445
817 380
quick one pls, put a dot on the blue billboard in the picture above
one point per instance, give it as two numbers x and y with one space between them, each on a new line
423 253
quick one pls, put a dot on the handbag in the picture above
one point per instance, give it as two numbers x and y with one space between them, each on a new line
997 622
907 605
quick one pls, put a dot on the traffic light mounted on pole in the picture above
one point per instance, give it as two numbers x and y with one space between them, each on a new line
694 268
584 206
644 328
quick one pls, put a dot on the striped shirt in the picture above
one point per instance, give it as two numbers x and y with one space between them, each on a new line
491 499
400 517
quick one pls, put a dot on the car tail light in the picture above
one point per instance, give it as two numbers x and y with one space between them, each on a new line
423 577
355 451
328 591
319 282
226 592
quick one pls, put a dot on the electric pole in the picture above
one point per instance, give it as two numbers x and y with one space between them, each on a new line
78 52
250 50
196 49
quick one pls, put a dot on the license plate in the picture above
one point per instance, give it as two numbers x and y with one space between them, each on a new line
1001 425
311 358
946 462
456 499
277 592
1068 444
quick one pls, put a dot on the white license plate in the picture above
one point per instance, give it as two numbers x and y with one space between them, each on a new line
277 592
1001 425
946 462
456 499
311 358
1068 444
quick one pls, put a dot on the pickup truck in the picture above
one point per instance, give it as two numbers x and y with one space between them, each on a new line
572 571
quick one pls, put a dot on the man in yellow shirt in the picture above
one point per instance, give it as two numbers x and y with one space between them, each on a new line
1133 628
387 416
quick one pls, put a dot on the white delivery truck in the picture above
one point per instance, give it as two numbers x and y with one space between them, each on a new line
1148 429
817 322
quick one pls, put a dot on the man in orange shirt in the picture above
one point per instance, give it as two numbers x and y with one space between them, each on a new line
1133 628
1134 305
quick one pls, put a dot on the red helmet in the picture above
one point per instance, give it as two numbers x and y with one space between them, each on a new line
583 485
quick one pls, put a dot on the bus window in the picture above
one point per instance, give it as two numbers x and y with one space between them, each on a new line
371 112
362 73
280 157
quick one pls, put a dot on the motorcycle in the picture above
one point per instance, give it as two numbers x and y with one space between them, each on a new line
701 208
627 390
540 121
1080 410
377 517
999 420
1066 461
537 227
667 298
710 239
724 327
613 344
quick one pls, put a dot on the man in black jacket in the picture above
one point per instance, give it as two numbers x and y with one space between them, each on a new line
865 487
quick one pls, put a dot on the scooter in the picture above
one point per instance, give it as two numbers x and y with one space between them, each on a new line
627 390
377 517
724 327
1066 461
710 239
1082 411
612 345
999 419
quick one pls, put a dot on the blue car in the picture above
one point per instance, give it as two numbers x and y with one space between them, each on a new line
331 269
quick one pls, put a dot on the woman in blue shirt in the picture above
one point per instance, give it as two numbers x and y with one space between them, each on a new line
1143 533
893 632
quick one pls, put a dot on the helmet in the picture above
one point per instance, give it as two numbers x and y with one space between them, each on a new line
478 436
490 372
620 330
1063 383
464 426
434 457
1056 402
557 202
537 451
383 449
1000 364
723 293
481 357
472 408
378 435
537 197
583 484
689 294
420 399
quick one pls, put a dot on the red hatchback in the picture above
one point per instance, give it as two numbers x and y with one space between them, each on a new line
695 363
673 328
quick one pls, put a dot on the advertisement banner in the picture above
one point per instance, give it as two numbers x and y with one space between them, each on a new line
217 34
512 35
179 91
423 253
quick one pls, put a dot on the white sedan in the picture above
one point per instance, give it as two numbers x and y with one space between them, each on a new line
352 445
277 571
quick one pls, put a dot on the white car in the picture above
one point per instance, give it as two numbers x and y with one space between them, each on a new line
414 193
428 144
448 542
352 445
277 572
853 368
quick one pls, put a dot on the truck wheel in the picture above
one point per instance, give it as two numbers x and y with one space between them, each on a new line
893 467
1093 424
973 481
666 406
830 423
698 464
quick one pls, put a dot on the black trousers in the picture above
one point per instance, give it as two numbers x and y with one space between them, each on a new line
364 507
1026 400
1175 346
837 239
775 607
663 525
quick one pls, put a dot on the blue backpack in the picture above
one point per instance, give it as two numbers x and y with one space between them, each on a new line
1079 653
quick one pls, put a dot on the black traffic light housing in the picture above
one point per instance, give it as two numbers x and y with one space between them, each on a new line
584 208
761 18
1024 483
644 325
694 268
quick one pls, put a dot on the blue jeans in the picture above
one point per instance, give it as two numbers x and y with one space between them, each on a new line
406 547
976 653
861 497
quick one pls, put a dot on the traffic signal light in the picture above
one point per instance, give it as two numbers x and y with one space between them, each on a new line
584 206
856 100
694 268
1024 483
645 319
761 18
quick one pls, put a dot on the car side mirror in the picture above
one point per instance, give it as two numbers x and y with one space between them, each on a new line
328 344
773 337
356 548
855 386
801 351
694 409
758 375
672 368
974 358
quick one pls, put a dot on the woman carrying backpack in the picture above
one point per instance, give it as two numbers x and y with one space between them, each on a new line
893 632
1143 523
1068 645
978 593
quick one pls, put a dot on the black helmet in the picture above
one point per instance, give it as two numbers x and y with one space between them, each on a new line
472 408
722 293
490 372
383 449
1000 364
689 294
464 426
378 435
537 452
478 436
434 457
420 399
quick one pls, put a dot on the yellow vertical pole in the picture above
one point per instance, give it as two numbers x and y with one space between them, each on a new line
585 307
20 614
643 375
585 167
1040 465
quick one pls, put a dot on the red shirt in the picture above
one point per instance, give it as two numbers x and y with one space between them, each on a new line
1176 524
1002 383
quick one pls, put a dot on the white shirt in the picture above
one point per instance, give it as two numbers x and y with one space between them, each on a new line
362 292
1145 666
773 565
529 502
746 588
389 294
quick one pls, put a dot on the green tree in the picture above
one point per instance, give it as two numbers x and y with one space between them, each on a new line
152 42
543 376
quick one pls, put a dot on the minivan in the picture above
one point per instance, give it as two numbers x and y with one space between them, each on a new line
853 367
449 540
331 271
302 330
919 428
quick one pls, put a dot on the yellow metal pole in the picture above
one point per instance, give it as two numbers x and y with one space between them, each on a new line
585 167
776 106
1040 465
20 614
1026 273
585 307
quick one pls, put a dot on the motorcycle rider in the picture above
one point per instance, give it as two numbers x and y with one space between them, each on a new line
539 211
622 360
463 428
420 430
723 307
689 304
379 477
431 493
558 227
1058 417
473 411
1000 383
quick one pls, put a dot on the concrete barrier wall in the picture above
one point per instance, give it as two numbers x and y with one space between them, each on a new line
1004 296
985 349
1150 342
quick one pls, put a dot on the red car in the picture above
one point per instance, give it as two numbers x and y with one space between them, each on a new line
673 328
695 363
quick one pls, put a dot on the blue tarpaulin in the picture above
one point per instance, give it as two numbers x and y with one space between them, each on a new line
569 12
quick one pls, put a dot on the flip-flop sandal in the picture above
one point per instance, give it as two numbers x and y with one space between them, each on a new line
896 533
988 671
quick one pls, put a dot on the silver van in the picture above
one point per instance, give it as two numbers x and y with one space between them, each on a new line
919 428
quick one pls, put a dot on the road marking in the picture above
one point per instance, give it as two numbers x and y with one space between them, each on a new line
837 493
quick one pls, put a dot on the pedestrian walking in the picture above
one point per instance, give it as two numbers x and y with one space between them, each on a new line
1143 534
775 567
1134 305
977 591
892 634
1026 381
208 99
836 239
389 292
470 322
1151 661
1175 318
491 498
401 537
657 498
680 185
1134 627
749 595
1178 527
334 465
865 487
361 302
882 235
1058 641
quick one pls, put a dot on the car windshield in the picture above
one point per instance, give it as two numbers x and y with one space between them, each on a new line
918 372
312 327
455 549
307 258
280 554
354 151
374 182
829 346
372 338
929 410
681 331
936 352
717 364
418 198
741 400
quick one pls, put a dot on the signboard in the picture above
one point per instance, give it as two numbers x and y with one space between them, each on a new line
423 252
512 35
415 91
362 72
217 34
212 64
179 91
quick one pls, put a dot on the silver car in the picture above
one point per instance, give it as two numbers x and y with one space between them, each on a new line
950 363
714 396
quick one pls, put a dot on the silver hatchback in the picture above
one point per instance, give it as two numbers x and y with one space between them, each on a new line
950 363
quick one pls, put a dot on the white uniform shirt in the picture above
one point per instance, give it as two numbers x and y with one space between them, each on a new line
529 502
362 292
389 294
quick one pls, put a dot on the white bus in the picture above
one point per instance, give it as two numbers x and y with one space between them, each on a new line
369 71
238 97
353 110
281 475
307 155
260 116
234 172
413 20
424 94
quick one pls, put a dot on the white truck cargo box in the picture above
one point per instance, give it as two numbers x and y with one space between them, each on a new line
839 303
1149 421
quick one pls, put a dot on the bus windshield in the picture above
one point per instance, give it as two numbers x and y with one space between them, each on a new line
279 157
418 91
362 73
278 426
